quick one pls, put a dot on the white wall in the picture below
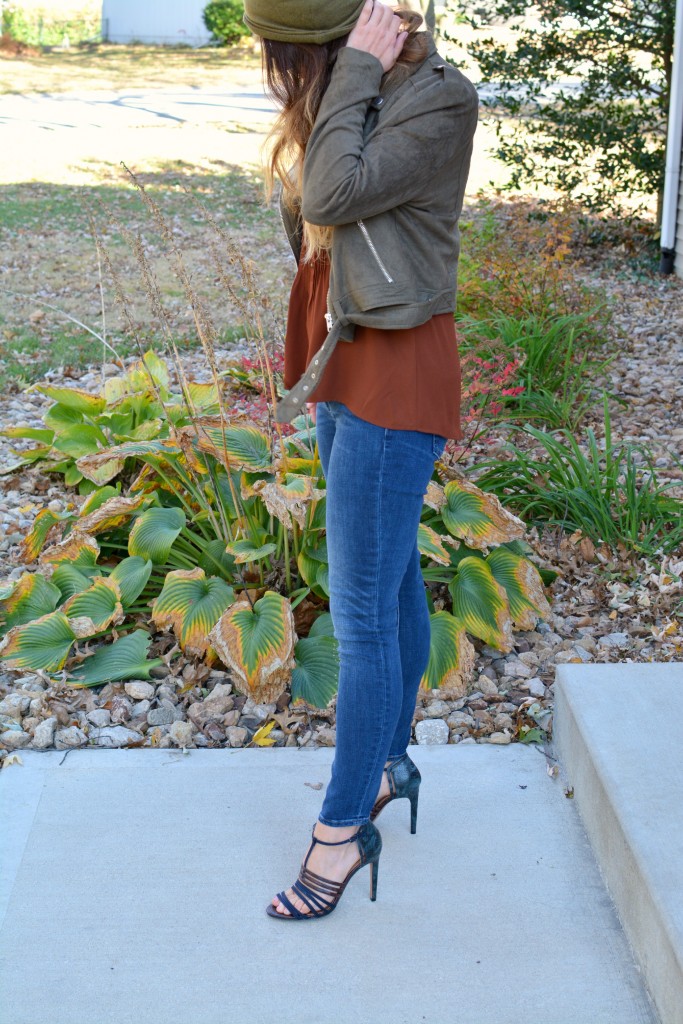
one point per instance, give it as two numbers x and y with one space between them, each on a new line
154 21
678 266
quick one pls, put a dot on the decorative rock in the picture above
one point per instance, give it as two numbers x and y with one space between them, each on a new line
327 737
436 709
121 708
15 705
498 737
181 733
231 718
535 687
7 722
486 685
515 667
236 736
141 708
503 721
616 641
139 690
160 716
43 736
114 736
99 717
13 739
70 737
459 720
431 732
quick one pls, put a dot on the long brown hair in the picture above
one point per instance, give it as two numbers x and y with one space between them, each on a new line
296 77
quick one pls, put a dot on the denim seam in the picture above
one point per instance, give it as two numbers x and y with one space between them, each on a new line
344 823
382 719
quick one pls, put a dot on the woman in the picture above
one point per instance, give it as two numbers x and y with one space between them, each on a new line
378 129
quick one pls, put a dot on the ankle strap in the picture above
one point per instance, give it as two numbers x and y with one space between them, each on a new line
324 842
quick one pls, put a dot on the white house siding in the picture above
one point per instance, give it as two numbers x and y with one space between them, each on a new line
678 265
166 22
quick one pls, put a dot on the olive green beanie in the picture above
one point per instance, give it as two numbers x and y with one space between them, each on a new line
302 21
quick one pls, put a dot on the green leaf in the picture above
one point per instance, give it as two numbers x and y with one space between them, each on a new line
101 603
33 542
258 644
316 674
431 544
451 655
29 598
78 440
322 626
124 659
154 533
523 585
476 517
31 433
42 644
215 559
191 605
59 416
132 575
73 398
480 604
70 580
246 551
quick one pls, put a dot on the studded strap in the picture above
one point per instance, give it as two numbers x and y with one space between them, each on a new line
290 405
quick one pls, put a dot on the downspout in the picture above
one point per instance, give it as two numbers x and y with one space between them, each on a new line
674 140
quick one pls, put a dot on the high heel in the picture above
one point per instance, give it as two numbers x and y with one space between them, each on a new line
404 781
321 895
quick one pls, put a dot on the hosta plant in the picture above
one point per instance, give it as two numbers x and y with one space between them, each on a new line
218 537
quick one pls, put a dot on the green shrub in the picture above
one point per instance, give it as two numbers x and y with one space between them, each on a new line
47 26
224 19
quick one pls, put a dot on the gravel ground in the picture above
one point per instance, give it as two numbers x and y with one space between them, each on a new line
606 608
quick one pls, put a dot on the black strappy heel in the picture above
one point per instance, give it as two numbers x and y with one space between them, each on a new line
404 781
321 895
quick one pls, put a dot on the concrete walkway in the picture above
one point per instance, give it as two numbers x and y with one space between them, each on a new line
134 886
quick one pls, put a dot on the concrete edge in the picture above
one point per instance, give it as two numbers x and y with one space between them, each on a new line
640 909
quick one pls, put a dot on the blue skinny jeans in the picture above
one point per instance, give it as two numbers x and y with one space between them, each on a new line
376 478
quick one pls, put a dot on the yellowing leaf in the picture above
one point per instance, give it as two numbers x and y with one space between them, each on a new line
523 585
258 644
478 518
430 543
262 738
451 657
190 605
78 548
480 604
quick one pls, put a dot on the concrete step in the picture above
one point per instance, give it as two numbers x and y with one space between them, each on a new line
618 733
135 886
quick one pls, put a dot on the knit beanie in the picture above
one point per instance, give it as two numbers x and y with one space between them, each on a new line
302 21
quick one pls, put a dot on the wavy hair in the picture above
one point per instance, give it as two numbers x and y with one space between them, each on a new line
296 76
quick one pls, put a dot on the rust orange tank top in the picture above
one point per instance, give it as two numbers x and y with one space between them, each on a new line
402 379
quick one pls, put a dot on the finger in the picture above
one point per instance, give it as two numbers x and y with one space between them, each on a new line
366 13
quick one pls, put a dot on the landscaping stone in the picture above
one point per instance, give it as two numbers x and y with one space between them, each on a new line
431 731
181 733
536 687
70 737
499 737
14 705
114 736
436 709
99 717
139 690
236 736
14 739
43 737
160 716
616 641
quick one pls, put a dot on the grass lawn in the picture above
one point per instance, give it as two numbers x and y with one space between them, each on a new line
109 66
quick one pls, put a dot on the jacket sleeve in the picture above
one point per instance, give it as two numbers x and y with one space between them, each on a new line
346 179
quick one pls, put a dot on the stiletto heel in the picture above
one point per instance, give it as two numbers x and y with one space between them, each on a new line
413 809
321 895
374 868
404 781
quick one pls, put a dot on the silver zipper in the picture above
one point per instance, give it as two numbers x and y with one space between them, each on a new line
373 250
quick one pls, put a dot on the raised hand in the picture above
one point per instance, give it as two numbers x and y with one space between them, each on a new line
380 32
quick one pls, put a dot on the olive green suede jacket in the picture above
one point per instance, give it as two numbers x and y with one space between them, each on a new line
387 168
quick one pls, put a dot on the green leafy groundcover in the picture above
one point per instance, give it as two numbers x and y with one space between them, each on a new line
188 520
